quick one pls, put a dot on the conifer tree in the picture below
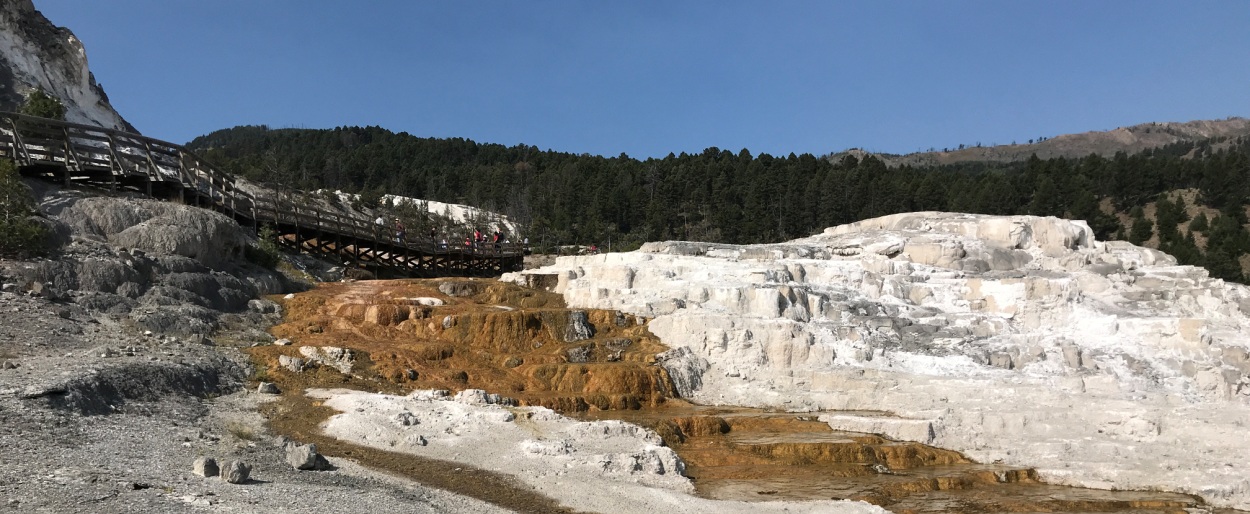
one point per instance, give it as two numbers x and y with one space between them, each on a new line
20 236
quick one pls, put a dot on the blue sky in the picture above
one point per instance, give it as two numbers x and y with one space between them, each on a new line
651 77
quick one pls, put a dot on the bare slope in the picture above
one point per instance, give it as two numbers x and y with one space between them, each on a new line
1105 143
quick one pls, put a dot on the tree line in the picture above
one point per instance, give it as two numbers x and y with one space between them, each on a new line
722 196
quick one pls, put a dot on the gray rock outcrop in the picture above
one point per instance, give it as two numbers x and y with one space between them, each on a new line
578 327
153 227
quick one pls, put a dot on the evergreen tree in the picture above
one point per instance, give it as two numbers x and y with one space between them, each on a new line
38 103
1199 223
1141 231
20 236
738 197
1221 264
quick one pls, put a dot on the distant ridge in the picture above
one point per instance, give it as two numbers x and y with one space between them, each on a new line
1105 143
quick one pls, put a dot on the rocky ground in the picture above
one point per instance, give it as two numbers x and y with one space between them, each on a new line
120 365
98 416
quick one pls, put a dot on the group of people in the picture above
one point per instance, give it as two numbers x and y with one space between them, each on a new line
400 232
479 240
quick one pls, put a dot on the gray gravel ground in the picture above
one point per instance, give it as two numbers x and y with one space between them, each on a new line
99 417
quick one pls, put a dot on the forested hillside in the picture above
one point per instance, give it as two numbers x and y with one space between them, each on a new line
1187 198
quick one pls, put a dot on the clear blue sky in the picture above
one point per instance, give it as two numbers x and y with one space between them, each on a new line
652 77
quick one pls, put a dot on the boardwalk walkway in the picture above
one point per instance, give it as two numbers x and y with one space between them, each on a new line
81 154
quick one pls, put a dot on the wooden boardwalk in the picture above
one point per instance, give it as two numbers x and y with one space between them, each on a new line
70 153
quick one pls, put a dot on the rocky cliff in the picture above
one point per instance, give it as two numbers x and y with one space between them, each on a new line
34 53
1019 340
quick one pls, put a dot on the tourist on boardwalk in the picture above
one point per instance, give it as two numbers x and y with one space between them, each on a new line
399 231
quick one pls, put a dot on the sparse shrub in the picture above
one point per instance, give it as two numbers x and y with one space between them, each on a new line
242 432
266 252
371 198
331 197
20 236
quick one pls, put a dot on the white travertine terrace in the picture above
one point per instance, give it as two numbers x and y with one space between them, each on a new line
1016 339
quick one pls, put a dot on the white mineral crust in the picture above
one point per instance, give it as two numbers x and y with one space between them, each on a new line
1013 339
600 466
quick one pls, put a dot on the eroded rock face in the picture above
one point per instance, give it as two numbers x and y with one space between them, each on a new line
1019 339
152 227
34 53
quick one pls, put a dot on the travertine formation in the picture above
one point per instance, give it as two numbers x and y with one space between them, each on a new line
598 466
1018 339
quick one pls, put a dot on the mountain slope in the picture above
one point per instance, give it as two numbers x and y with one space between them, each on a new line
1105 143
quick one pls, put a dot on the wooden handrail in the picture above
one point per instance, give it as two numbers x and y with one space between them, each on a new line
33 140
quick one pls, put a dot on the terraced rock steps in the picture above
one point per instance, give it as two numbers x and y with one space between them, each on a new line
461 334
751 455
524 344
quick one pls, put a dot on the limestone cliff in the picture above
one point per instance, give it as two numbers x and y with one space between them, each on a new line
1015 339
34 53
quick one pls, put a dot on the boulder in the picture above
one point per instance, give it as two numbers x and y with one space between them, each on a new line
305 457
460 288
292 364
263 306
267 388
205 467
407 419
338 358
236 472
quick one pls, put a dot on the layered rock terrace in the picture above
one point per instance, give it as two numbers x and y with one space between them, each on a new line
1016 340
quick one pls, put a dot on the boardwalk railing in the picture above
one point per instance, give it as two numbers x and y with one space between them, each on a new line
74 153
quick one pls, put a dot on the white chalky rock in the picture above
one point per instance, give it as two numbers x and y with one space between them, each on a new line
1018 339
599 466
339 358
